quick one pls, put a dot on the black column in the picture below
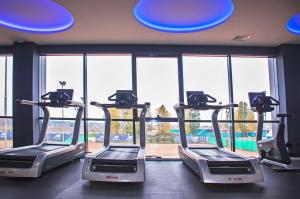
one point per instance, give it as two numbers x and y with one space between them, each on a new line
25 86
288 66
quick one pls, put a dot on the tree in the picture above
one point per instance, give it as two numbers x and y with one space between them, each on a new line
163 126
228 118
251 126
115 125
192 126
241 114
244 113
149 125
127 126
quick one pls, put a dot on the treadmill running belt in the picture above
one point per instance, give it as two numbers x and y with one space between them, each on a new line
214 154
28 154
119 153
51 147
117 160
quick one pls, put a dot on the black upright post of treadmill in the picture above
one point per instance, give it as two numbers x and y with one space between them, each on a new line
123 99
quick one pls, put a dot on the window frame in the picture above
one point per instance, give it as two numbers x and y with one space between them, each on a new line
179 56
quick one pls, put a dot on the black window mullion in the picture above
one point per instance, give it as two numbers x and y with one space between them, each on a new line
231 100
5 86
85 101
180 79
134 88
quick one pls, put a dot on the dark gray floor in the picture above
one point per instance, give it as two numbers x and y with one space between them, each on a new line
163 180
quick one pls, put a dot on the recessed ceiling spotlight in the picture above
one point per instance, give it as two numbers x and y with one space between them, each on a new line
35 16
183 16
293 24
241 38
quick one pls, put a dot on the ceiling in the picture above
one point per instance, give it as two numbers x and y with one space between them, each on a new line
112 22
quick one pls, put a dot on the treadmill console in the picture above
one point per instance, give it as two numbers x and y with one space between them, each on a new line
259 102
60 97
199 98
124 98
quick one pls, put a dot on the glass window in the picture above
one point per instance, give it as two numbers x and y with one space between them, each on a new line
70 70
6 67
162 139
208 74
6 133
121 133
95 135
106 74
245 141
61 132
157 82
202 134
249 74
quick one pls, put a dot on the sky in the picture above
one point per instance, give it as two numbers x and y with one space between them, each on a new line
157 79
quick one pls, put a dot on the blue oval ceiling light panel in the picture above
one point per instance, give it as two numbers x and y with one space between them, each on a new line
36 16
183 16
293 24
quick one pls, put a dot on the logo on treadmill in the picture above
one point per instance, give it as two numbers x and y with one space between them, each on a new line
112 177
235 179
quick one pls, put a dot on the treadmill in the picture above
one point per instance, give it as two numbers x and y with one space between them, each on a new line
214 164
31 161
118 163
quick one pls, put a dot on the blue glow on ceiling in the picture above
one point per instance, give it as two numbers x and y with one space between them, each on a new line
293 24
183 16
35 16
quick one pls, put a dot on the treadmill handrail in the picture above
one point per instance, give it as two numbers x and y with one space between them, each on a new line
46 119
100 105
42 135
33 103
206 107
27 102
145 107
216 128
181 120
179 111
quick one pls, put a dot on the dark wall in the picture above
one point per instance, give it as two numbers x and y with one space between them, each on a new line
288 64
25 84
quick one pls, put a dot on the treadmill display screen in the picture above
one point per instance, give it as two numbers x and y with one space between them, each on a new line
253 95
69 92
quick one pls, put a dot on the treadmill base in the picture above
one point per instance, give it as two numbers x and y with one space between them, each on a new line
199 165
